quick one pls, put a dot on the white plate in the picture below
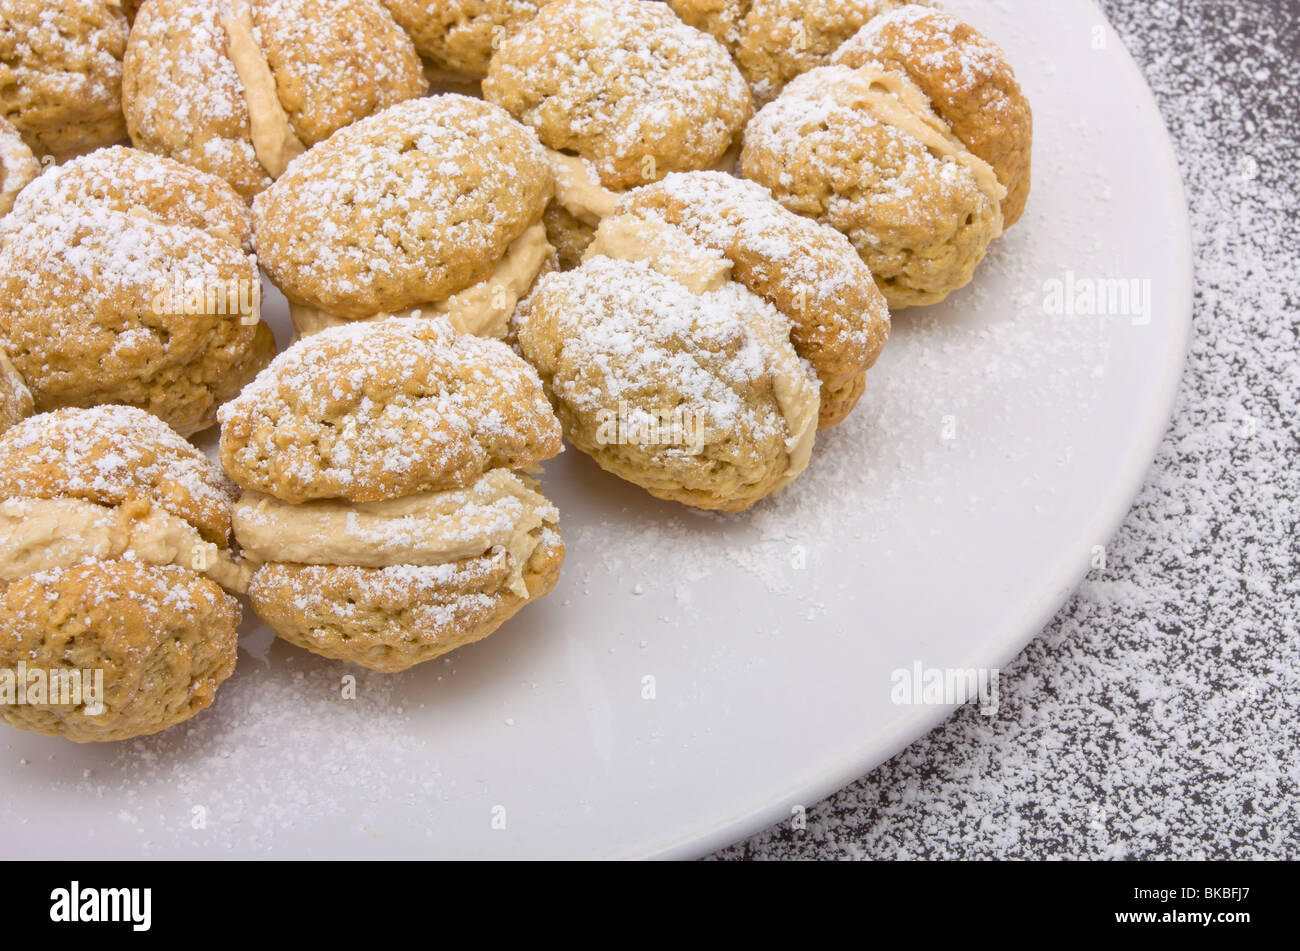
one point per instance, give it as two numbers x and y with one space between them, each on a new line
772 683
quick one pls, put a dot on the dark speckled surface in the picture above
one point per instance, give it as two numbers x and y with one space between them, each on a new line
1156 717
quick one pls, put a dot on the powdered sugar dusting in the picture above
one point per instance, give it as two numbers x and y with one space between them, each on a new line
383 409
403 208
965 62
619 80
182 95
347 752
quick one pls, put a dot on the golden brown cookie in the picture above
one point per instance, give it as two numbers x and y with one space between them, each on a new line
150 645
809 272
115 542
670 373
112 483
624 84
61 73
239 88
127 278
433 206
116 456
18 166
383 500
773 41
385 409
863 151
969 84
458 37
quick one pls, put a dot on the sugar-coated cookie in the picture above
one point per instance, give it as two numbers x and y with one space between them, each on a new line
61 73
809 272
624 84
433 205
969 83
115 545
385 498
705 337
623 93
127 278
915 143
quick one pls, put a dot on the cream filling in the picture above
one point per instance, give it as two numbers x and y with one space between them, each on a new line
674 253
893 100
274 140
578 189
579 192
501 510
799 399
667 248
482 309
308 320
797 392
43 534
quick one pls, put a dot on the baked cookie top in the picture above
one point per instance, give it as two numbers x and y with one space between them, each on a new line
61 73
239 87
773 41
182 96
405 207
124 278
335 62
624 84
382 410
143 187
116 456
458 37
809 272
969 84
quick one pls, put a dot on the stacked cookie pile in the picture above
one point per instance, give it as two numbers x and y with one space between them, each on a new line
670 232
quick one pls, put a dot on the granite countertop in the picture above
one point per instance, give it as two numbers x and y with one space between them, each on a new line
1156 716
